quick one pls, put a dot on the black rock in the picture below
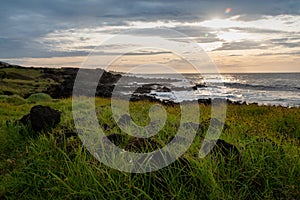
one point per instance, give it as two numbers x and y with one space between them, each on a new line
65 79
41 118
8 93
147 88
204 101
153 161
225 148
222 148
195 87
116 138
142 97
69 134
106 127
178 139
191 125
124 120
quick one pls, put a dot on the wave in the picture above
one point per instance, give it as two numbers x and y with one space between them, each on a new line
262 87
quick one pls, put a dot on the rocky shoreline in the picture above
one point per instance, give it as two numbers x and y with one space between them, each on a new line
62 82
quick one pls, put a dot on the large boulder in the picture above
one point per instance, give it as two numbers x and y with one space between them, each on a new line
41 118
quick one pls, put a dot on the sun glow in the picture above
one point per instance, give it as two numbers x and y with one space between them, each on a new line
237 36
286 23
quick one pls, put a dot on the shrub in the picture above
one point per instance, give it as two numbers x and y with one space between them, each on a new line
39 97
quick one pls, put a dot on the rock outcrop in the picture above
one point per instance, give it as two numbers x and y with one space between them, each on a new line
41 118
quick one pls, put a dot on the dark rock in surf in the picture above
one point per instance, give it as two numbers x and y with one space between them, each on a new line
142 97
147 88
195 87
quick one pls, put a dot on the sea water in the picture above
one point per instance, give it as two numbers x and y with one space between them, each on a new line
262 88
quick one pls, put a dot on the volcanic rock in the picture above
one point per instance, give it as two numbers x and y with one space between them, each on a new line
41 118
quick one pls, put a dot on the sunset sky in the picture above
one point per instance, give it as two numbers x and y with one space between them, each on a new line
238 35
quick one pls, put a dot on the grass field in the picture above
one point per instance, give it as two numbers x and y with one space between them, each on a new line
23 81
54 166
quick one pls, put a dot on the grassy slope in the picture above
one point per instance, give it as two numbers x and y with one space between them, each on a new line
52 166
23 81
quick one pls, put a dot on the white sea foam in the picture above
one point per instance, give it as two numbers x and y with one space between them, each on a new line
264 89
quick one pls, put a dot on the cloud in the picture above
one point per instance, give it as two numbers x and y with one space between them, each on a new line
35 28
283 23
16 48
286 42
297 53
244 45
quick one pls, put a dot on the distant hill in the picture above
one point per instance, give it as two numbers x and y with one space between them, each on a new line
57 82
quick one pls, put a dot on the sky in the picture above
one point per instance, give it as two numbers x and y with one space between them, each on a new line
237 35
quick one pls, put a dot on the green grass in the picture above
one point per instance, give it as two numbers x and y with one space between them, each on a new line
37 97
23 81
55 167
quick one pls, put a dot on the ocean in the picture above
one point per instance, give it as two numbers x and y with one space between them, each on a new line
262 88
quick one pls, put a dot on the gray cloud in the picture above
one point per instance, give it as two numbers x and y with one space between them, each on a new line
287 42
297 53
15 48
247 44
139 53
243 45
24 22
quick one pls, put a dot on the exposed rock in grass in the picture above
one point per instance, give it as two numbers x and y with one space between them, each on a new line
116 138
222 148
152 161
69 134
180 142
106 127
191 125
226 148
9 93
124 120
41 118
